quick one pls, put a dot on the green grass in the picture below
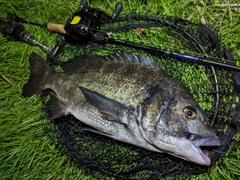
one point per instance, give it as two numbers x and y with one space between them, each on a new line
26 152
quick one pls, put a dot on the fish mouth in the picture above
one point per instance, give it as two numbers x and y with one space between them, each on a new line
205 145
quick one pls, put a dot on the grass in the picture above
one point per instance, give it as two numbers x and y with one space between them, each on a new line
26 151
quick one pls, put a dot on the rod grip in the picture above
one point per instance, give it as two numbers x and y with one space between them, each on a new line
59 28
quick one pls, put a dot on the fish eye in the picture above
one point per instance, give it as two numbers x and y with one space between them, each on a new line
190 112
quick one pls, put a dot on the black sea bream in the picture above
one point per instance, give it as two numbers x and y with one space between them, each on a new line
127 98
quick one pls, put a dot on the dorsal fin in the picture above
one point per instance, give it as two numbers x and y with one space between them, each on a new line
92 59
73 63
138 59
78 61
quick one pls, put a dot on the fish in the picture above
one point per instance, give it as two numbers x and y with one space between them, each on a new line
127 98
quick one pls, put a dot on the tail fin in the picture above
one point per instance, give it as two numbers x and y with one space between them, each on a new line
39 71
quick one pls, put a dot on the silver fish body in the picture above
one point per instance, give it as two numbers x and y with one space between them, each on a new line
129 99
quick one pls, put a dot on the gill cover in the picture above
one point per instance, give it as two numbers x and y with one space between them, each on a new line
152 112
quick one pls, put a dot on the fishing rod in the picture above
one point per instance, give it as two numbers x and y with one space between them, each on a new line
15 31
104 38
181 56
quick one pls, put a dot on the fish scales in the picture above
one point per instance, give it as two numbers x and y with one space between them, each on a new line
120 81
129 99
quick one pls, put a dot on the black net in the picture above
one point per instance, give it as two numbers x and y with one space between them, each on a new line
216 90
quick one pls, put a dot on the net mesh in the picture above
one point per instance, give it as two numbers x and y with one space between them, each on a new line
216 90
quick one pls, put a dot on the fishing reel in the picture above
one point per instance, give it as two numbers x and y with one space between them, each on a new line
84 25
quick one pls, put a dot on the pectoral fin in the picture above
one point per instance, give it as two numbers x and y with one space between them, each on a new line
110 109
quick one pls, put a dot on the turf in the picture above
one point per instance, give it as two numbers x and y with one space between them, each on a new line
26 152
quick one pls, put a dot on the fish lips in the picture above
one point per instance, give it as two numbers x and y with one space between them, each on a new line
200 142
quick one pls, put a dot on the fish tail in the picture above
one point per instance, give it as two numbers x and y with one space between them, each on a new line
39 71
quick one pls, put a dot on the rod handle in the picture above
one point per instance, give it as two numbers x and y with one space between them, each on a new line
59 28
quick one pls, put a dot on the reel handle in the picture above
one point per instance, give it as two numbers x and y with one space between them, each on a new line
83 4
117 10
